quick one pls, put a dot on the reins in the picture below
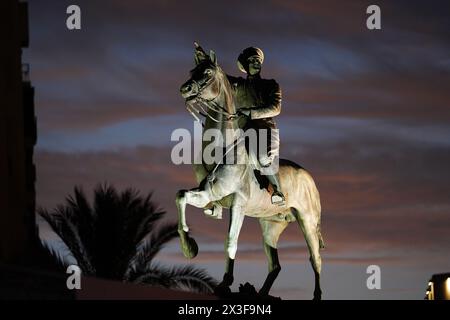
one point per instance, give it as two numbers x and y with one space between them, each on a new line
213 105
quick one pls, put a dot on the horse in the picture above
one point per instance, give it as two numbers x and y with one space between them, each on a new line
236 187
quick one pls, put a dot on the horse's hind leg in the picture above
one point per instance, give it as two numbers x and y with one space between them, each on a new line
271 233
309 225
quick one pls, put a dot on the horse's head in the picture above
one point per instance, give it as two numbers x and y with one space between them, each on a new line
204 82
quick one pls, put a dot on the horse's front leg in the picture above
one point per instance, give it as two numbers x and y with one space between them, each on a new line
236 220
197 198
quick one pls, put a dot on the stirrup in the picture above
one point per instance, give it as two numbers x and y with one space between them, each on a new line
278 198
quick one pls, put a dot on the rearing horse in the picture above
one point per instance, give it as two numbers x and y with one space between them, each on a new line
235 186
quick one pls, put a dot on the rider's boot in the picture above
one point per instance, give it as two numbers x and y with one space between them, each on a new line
277 195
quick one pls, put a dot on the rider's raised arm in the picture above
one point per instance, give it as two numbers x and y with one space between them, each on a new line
271 106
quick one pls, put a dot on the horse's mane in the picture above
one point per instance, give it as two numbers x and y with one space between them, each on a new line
227 86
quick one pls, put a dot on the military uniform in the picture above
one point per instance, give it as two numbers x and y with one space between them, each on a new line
262 98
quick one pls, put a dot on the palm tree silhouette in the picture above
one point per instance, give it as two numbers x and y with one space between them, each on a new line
117 239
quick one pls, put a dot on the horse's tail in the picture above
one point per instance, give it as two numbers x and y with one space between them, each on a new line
319 213
319 235
317 208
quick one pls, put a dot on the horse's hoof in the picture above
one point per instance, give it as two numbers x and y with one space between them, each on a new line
193 248
317 297
188 245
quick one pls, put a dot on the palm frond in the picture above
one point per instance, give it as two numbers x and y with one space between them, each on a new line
184 278
64 228
108 231
138 219
142 215
151 247
154 276
82 216
118 237
57 256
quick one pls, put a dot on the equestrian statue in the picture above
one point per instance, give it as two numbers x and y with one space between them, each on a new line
257 183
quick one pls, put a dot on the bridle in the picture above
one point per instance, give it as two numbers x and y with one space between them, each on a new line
209 103
213 105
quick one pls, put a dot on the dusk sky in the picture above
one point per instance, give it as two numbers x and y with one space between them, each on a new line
367 113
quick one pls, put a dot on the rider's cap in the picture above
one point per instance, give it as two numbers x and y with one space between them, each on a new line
247 53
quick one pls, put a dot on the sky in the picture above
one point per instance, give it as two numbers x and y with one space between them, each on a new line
366 112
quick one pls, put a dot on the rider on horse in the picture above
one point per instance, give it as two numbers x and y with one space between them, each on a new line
259 100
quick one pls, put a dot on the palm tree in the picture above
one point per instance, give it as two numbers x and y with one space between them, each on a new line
118 238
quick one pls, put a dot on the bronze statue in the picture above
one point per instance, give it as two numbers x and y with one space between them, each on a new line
260 100
236 187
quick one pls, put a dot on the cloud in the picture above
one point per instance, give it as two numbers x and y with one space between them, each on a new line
365 112
419 96
369 198
128 62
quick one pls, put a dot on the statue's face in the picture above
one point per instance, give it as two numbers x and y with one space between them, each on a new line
254 65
